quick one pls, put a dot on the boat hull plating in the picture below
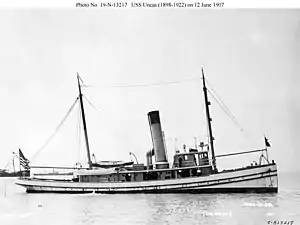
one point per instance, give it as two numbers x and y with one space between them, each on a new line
260 179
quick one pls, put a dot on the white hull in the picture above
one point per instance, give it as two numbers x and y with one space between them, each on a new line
253 179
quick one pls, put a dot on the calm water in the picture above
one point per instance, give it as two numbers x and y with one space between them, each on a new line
17 207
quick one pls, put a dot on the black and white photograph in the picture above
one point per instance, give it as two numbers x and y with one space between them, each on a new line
149 112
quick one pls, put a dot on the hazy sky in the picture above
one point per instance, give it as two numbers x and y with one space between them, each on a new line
250 57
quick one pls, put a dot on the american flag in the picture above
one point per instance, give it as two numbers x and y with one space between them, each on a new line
23 161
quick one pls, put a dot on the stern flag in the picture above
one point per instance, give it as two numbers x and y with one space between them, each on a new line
267 142
23 161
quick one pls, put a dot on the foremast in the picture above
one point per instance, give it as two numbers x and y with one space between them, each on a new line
211 138
84 124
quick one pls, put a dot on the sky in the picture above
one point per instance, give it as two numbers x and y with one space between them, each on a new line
250 59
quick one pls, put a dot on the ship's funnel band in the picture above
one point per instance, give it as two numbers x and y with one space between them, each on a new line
153 117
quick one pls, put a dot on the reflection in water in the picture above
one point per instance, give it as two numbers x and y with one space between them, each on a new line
178 208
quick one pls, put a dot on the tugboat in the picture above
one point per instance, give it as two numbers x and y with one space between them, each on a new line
192 171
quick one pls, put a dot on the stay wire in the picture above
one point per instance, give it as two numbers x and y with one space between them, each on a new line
79 132
225 109
218 99
56 130
147 85
91 104
83 84
213 92
222 104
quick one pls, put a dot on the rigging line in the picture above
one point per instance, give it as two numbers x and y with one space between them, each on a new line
217 96
83 84
233 119
79 133
213 92
224 105
56 130
149 85
91 103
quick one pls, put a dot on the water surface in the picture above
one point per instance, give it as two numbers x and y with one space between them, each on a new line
18 207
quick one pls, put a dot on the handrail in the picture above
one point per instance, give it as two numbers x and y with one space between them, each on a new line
56 167
240 153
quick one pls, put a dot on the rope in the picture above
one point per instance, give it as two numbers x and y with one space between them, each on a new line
56 130
218 99
79 132
91 104
222 105
149 85
83 84
226 110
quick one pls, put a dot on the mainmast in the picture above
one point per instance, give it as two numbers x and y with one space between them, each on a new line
211 138
84 124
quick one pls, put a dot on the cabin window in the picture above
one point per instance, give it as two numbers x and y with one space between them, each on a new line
185 157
